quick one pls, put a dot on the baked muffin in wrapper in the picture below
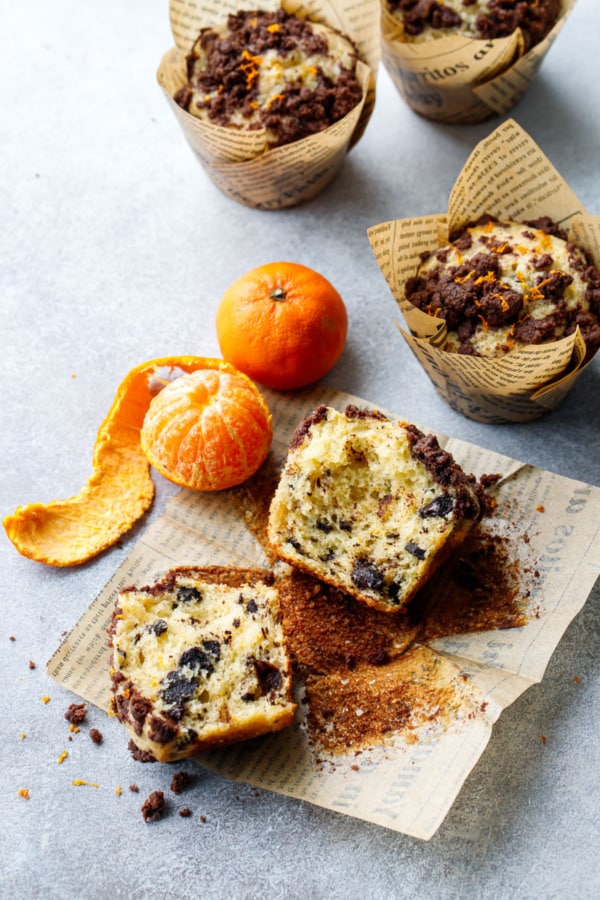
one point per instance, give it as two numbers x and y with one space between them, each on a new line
458 79
508 177
240 162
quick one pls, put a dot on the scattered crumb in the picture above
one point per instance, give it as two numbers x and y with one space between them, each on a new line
134 788
541 508
24 793
76 713
12 637
80 781
73 375
74 729
22 735
185 813
62 757
544 740
31 664
153 807
46 699
203 819
355 768
118 790
576 679
96 736
179 782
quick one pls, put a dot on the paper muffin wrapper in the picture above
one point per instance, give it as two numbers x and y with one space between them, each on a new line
508 176
239 162
459 80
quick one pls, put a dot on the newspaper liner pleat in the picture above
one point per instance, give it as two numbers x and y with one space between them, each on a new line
507 175
237 162
459 80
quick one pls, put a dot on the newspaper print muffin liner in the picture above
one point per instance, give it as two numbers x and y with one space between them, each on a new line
237 161
509 177
460 80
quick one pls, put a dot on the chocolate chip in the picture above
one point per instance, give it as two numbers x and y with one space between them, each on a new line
415 550
158 627
177 688
251 606
439 507
269 676
366 575
187 594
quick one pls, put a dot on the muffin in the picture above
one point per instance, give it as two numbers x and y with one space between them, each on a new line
198 659
503 285
369 505
424 20
271 71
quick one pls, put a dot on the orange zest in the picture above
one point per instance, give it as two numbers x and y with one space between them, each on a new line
209 430
282 324
119 491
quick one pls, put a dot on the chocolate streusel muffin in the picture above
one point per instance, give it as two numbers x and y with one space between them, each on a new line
479 19
272 71
504 285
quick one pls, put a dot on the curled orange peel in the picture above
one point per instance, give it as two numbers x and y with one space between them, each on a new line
120 488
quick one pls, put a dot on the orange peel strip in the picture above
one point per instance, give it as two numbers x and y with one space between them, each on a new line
120 488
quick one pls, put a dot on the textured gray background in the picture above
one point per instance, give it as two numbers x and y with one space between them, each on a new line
115 249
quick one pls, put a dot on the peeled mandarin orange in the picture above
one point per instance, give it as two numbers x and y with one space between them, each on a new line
119 490
282 324
208 430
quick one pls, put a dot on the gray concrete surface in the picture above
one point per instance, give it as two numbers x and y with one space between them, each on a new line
115 248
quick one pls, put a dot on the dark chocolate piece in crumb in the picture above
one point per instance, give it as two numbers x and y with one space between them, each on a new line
153 807
180 781
76 713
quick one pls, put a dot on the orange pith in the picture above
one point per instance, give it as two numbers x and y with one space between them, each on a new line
208 431
283 324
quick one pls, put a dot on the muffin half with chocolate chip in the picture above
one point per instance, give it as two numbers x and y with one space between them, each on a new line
504 285
271 71
198 660
370 505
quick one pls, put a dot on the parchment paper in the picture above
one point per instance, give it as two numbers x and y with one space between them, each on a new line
238 162
507 176
409 784
459 80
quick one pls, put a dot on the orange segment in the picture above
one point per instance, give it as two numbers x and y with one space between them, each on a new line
208 430
120 489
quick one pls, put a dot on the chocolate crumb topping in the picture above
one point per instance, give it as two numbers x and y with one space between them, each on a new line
153 807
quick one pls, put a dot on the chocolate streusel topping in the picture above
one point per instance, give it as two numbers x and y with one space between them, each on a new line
497 18
226 85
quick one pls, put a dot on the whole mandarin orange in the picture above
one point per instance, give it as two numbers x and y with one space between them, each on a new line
208 430
283 324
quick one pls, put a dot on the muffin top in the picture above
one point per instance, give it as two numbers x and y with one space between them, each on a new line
271 70
479 19
501 285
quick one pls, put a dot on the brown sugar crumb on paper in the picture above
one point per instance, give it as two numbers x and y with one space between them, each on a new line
31 664
327 630
486 586
153 807
369 706
185 813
